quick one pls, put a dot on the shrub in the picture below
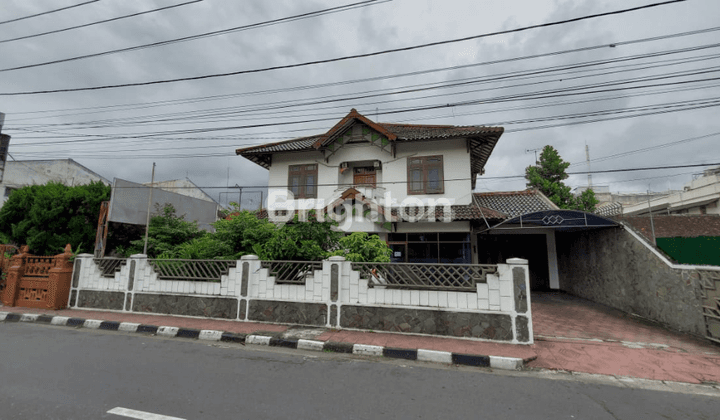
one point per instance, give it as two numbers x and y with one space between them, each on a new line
48 217
362 247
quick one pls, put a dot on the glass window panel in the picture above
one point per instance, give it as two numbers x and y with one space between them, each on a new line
396 237
416 180
295 185
422 252
455 253
455 237
433 178
422 237
310 185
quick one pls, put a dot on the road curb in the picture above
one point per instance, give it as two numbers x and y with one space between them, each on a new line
423 355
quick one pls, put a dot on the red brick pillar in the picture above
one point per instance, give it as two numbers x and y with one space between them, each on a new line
14 274
59 280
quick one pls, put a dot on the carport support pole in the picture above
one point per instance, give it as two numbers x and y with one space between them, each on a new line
147 221
553 275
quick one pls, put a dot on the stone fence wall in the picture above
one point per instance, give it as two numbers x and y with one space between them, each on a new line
334 296
618 268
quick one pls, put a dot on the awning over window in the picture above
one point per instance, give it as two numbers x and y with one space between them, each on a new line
563 220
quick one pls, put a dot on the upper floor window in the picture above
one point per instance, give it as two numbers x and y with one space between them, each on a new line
302 180
425 175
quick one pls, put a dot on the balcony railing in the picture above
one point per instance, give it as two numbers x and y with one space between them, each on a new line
291 272
456 277
191 270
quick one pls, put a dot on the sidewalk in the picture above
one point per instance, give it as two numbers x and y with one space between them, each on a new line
570 335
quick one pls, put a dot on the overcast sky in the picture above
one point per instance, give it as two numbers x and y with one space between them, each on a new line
120 132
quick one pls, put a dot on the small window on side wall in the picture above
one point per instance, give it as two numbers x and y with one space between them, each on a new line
425 175
302 180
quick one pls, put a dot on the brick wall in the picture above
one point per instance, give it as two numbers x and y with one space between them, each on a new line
683 226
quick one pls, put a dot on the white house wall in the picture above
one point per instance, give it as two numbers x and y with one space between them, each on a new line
18 174
456 169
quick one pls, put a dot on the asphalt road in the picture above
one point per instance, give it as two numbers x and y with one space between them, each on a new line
49 372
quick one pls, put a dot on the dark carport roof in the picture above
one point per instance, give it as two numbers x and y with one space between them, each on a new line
563 220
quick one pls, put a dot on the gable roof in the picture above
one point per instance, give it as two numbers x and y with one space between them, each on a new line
515 203
481 139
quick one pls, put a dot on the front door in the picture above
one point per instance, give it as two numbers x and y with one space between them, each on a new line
364 176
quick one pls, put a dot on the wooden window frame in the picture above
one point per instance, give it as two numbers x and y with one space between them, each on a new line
425 166
303 171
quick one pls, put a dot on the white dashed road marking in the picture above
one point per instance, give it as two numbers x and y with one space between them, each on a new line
142 415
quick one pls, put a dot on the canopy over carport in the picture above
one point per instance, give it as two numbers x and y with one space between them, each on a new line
558 220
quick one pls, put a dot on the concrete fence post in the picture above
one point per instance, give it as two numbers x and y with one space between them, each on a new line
249 266
519 275
336 265
137 263
82 264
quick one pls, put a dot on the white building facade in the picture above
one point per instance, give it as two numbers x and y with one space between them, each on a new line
410 184
700 196
22 173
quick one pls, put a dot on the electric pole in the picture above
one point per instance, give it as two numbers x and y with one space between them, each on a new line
147 223
4 147
587 159
533 150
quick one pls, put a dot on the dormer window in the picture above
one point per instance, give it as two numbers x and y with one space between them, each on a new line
302 180
425 175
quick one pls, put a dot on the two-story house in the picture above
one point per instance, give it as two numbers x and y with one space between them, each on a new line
410 184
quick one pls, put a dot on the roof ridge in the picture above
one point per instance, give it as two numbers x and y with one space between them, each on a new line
529 191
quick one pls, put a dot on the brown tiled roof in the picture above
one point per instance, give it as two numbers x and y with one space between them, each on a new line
482 139
515 203
303 143
461 212
410 132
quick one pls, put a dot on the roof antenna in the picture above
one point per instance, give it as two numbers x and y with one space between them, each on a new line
376 115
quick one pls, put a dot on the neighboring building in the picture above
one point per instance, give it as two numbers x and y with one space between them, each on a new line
411 184
700 196
612 204
184 187
21 173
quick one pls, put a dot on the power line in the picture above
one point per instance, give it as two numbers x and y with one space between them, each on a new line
652 168
131 106
543 94
206 34
648 110
582 67
99 22
645 149
344 58
48 12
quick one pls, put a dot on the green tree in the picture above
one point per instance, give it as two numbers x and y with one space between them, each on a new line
548 175
167 231
48 217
